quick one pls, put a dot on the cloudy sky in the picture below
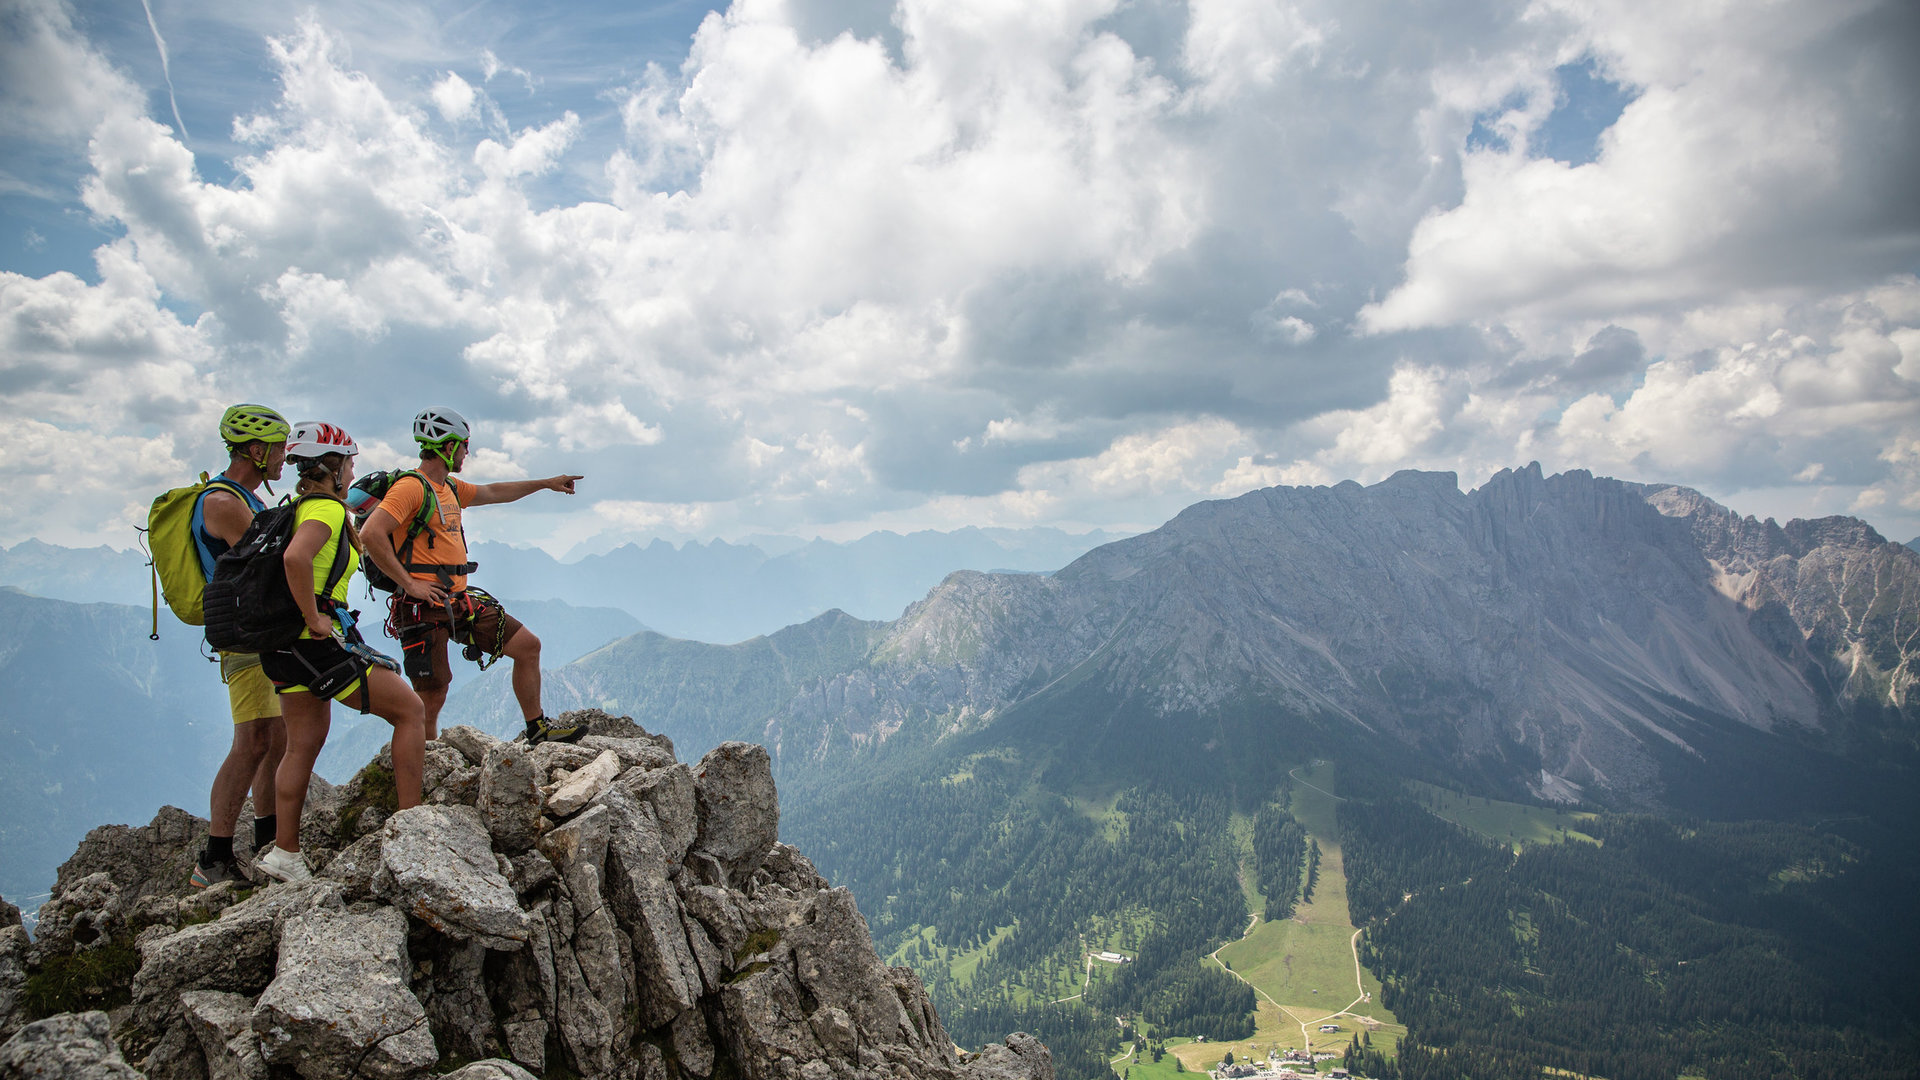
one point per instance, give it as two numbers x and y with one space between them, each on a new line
821 267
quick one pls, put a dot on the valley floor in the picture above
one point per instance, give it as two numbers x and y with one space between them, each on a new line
1305 969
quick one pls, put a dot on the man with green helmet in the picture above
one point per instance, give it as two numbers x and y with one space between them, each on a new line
256 440
428 563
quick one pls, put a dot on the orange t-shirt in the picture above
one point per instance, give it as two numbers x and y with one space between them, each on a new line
441 543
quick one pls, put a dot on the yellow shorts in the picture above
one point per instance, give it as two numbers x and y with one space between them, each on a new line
249 692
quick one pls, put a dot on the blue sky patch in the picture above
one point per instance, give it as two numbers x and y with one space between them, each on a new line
1589 104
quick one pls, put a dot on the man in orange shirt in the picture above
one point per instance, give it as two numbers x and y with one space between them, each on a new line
433 603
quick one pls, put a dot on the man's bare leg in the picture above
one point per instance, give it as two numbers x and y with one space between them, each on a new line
524 650
254 744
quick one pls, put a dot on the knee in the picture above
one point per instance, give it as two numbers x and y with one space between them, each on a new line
524 646
252 739
405 710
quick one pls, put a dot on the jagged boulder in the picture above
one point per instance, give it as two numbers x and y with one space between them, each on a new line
644 901
69 1046
233 953
437 864
339 1006
509 797
739 809
634 753
223 1024
584 785
1021 1058
472 743
152 859
669 792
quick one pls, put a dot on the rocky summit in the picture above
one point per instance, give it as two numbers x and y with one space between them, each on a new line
599 910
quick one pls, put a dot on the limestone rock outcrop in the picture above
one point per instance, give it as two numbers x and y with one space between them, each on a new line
599 910
70 1046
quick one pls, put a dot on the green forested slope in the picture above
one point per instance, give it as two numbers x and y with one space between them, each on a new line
1672 948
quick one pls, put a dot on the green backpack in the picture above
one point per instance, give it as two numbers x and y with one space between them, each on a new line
174 552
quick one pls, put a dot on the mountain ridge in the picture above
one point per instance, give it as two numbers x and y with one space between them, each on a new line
1580 633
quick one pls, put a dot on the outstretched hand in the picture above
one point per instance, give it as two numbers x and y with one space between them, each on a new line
562 483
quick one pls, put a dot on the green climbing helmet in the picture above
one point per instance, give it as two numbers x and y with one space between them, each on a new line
247 423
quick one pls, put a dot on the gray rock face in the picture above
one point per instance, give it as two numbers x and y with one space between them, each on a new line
223 1023
355 867
339 1006
70 1046
454 993
584 785
234 953
437 864
509 797
472 743
592 956
152 859
88 911
14 946
669 791
489 1069
668 979
1022 1058
738 806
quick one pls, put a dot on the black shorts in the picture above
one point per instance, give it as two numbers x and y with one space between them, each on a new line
321 667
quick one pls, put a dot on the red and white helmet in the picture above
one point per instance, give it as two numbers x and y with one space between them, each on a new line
312 438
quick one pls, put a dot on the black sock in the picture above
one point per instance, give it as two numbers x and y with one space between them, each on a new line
219 850
263 830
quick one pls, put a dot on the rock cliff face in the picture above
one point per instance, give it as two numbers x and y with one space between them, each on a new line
595 911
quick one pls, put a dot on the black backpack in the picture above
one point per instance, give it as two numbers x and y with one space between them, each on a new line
247 605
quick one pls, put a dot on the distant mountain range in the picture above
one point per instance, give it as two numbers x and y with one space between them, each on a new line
723 592
1569 638
715 591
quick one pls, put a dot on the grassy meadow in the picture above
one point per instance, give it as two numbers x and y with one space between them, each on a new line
1514 824
1303 967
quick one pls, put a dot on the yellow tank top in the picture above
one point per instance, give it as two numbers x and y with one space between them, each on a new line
333 514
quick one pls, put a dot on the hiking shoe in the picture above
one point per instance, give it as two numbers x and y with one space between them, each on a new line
221 870
542 729
283 865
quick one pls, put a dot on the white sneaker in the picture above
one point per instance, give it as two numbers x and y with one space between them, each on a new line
284 865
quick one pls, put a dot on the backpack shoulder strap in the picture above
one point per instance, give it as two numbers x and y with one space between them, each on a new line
197 521
429 505
339 568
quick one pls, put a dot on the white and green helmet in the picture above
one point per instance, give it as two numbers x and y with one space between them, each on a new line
436 426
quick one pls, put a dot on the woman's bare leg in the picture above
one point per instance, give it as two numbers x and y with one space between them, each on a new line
396 703
307 719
